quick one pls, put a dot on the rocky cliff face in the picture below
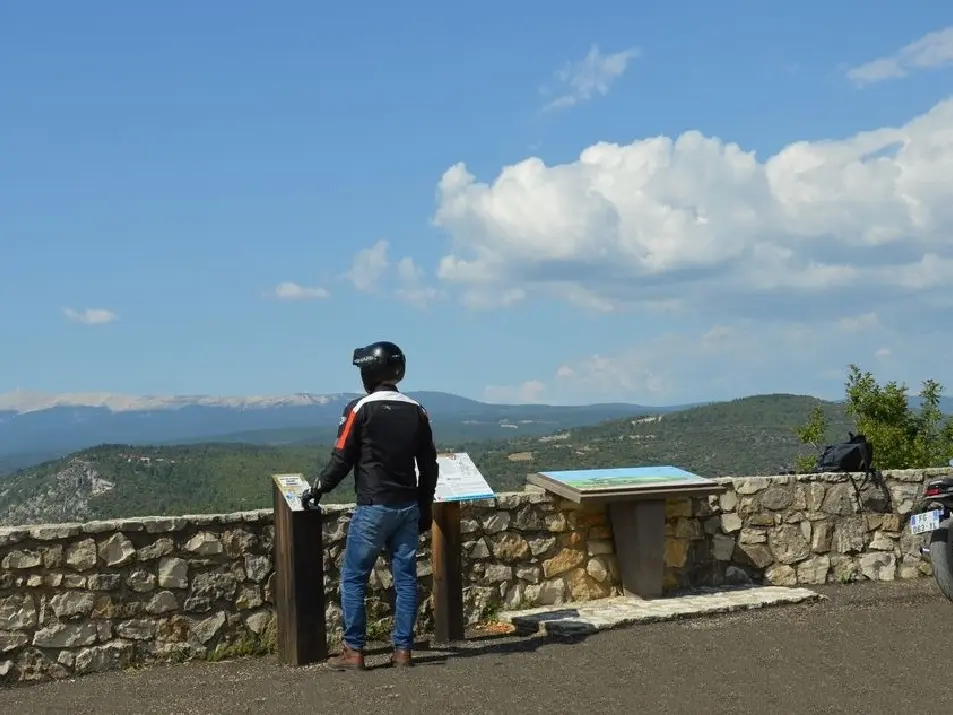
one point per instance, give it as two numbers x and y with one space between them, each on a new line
62 496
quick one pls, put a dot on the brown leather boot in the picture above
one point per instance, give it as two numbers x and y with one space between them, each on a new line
401 659
349 659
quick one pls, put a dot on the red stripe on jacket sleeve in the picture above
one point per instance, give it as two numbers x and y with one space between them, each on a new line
346 432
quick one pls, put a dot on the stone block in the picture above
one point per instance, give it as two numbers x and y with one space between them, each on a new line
82 555
117 550
562 562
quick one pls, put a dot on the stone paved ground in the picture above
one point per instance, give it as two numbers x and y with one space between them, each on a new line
867 648
602 614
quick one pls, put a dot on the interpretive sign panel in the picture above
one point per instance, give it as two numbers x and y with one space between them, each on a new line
626 482
460 480
644 477
635 498
291 487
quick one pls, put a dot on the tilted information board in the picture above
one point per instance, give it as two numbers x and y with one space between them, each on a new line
299 574
460 480
291 487
601 484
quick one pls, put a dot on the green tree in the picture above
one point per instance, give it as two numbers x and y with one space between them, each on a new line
902 437
812 433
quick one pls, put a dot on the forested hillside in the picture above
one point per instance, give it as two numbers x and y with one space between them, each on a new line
754 435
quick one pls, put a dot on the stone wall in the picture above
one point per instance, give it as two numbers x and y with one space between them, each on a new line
805 529
80 598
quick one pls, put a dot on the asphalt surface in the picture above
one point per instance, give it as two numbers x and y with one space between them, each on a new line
869 648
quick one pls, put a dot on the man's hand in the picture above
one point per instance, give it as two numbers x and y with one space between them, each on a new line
311 498
425 522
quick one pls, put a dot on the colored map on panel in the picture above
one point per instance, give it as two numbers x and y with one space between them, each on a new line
661 476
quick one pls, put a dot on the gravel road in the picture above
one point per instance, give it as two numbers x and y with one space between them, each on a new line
868 648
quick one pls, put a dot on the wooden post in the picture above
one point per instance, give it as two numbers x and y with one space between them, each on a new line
639 531
447 574
299 584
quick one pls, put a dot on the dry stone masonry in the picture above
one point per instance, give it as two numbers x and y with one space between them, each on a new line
81 598
520 549
805 529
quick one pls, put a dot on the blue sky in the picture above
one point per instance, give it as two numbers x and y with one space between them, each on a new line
194 196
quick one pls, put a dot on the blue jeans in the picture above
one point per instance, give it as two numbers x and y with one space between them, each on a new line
371 529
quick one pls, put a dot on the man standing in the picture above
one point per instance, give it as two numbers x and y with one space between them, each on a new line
381 436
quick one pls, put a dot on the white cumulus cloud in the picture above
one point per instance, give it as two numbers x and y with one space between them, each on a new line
696 223
90 316
824 253
745 356
371 270
594 74
369 267
932 51
412 288
293 291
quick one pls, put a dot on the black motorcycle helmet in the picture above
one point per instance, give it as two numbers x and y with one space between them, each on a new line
380 363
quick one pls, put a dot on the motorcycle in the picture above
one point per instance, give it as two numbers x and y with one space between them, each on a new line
932 514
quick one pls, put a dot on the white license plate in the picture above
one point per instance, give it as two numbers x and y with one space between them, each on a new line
927 521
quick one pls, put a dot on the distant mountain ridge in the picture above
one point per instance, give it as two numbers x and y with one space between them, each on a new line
24 401
36 426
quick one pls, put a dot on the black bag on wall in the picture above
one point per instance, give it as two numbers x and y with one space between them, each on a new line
857 455
854 455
